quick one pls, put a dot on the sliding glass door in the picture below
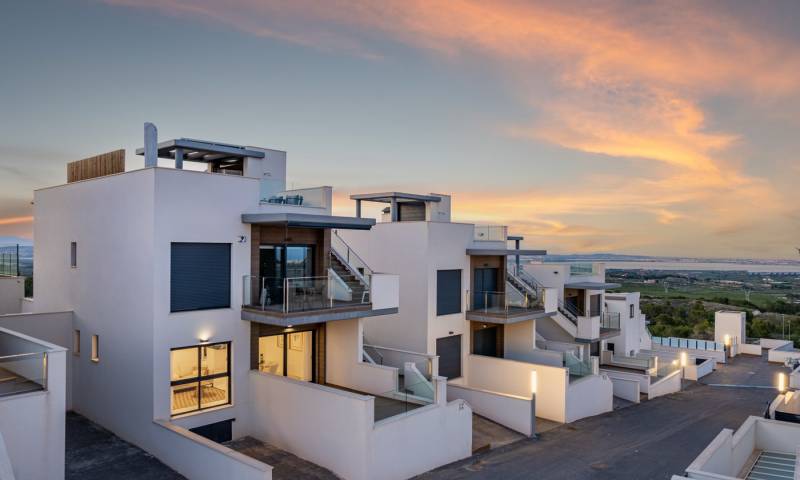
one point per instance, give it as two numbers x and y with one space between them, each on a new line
278 262
288 354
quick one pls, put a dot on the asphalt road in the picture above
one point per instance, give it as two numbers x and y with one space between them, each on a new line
653 440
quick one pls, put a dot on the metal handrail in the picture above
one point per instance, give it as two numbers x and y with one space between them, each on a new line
569 311
345 259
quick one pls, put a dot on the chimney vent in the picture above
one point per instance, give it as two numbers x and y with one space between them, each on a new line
150 145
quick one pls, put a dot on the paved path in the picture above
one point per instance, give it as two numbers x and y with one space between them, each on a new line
653 440
285 466
94 453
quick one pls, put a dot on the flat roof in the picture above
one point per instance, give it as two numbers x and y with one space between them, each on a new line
203 151
387 197
592 285
504 252
311 221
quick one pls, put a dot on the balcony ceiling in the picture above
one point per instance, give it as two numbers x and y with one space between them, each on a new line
592 285
308 221
504 252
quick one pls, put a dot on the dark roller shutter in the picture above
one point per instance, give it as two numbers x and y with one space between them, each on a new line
448 292
200 276
449 351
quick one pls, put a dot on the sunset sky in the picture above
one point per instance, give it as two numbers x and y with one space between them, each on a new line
660 128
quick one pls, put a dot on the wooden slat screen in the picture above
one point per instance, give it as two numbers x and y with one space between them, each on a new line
97 166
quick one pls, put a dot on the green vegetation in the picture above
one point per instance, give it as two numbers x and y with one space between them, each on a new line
682 304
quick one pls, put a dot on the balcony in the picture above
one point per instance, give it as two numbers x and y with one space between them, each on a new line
503 307
317 197
304 300
491 233
23 366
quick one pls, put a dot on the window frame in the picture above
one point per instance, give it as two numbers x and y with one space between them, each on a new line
229 303
73 254
200 378
460 308
95 348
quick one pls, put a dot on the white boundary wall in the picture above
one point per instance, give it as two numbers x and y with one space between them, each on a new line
511 377
589 396
508 410
343 363
627 389
336 429
198 458
12 291
33 424
696 372
750 349
669 384
727 454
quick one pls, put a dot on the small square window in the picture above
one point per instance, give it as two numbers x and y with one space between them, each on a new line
95 348
73 254
76 343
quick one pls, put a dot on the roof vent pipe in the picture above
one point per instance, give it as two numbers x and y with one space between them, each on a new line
150 145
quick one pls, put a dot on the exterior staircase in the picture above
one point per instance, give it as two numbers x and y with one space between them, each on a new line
359 290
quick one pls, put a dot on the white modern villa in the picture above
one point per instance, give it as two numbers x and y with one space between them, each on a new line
208 304
501 331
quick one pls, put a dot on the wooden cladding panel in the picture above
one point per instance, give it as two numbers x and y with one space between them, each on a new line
97 166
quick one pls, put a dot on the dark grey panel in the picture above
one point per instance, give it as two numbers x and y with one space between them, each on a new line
200 276
449 351
448 292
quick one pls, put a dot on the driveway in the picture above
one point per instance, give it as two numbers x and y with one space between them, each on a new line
653 440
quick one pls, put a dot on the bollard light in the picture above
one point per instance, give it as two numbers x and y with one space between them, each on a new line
781 382
533 382
684 359
727 340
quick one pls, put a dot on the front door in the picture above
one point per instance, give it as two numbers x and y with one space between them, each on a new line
278 262
449 351
484 341
288 354
484 285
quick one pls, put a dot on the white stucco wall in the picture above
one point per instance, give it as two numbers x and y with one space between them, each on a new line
514 378
589 396
33 424
12 290
511 411
629 340
729 323
344 365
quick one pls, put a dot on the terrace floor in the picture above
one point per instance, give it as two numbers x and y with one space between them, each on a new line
285 466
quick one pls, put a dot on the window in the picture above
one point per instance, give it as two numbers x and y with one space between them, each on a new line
594 305
95 348
449 351
76 343
631 311
448 292
73 254
200 276
200 377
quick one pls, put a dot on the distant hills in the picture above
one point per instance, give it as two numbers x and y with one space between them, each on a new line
613 257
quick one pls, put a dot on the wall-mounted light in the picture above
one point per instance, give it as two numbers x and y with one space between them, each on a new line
242 238
204 338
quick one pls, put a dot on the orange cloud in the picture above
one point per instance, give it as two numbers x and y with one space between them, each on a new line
624 80
16 220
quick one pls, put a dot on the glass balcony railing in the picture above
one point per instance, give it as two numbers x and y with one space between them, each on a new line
503 303
289 295
583 269
609 320
491 233
23 373
317 197
577 367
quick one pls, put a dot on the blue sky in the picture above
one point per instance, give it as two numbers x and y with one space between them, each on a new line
588 127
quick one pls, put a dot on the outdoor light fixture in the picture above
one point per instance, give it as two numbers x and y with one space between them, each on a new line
533 382
781 382
727 340
684 359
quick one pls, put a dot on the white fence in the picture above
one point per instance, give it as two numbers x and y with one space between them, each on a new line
337 430
509 410
669 384
198 458
697 371
689 343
